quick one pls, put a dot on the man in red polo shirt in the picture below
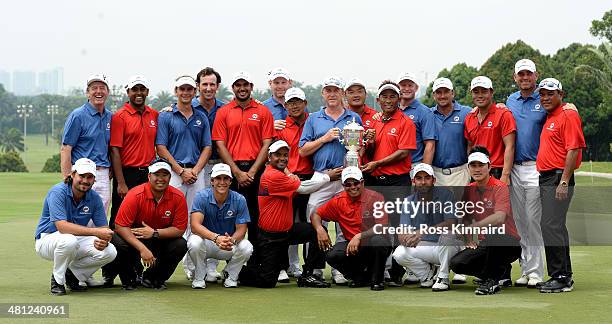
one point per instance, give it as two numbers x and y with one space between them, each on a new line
150 226
277 230
132 141
362 256
560 153
491 127
242 132
499 242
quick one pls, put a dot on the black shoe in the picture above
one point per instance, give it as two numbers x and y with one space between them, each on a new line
395 282
108 282
507 282
312 281
557 285
145 282
57 289
130 286
488 287
377 286
357 284
73 283
161 286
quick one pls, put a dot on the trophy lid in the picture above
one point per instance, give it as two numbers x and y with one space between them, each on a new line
353 126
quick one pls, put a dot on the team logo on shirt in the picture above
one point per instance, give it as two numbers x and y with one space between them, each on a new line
107 126
456 118
167 214
86 209
551 126
152 123
392 132
230 213
198 122
411 116
367 123
490 124
537 107
488 203
254 117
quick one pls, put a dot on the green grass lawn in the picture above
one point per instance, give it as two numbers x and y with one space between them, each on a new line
38 150
24 277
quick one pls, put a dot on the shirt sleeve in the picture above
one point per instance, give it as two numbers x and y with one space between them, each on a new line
466 129
219 130
283 186
428 126
572 131
206 134
308 134
329 211
57 209
243 216
72 130
163 128
267 127
508 125
407 137
99 215
117 129
181 218
502 200
127 211
198 203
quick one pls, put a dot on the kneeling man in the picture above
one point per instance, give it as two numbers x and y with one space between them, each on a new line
62 234
219 218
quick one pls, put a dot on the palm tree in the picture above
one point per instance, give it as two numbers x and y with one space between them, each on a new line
604 73
12 140
163 99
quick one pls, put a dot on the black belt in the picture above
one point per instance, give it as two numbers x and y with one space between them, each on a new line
142 169
304 177
245 163
391 176
551 172
186 165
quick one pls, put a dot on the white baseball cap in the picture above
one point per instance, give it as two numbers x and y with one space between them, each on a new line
219 169
242 75
442 83
294 93
278 72
97 77
352 82
159 165
274 147
185 80
388 86
422 167
406 76
84 165
550 84
479 157
481 81
524 64
333 81
137 79
351 173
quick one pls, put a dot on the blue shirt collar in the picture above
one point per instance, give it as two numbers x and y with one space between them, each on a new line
414 104
92 110
456 107
213 201
535 96
325 115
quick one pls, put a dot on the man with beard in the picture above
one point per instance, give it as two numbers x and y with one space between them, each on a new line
87 135
149 227
279 81
243 132
277 230
63 235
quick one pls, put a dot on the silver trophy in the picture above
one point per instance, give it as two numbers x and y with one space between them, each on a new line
352 139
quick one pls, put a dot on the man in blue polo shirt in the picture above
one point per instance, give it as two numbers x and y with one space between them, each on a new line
183 138
320 139
526 206
87 135
219 218
62 234
279 81
450 157
421 116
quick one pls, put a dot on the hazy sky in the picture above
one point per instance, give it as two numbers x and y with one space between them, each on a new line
372 40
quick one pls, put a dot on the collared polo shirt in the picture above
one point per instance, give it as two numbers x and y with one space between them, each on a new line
134 134
399 133
195 103
495 197
279 112
184 138
243 130
366 117
330 155
221 219
140 206
291 134
489 133
425 126
88 132
529 116
60 205
562 132
430 216
275 197
451 148
353 216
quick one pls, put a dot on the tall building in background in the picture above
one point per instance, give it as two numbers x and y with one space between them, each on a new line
51 81
5 79
24 83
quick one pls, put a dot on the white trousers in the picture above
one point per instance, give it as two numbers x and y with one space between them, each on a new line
200 249
75 252
527 213
102 186
322 196
417 259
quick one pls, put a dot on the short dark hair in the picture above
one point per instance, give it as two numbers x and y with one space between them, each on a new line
159 159
208 71
480 149
388 82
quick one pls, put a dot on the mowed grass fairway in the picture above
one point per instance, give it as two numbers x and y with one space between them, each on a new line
24 277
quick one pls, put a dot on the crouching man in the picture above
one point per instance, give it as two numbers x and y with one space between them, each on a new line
219 218
150 226
62 235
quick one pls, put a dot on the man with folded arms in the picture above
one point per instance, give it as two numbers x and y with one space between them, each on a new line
62 234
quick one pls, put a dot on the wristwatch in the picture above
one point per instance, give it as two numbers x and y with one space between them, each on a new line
155 234
563 183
